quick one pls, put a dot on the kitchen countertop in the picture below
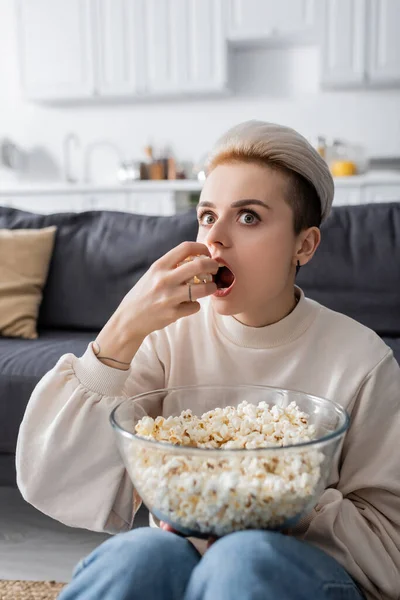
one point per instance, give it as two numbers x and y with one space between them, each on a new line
183 185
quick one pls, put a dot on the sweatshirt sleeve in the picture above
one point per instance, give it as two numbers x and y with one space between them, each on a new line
358 521
68 463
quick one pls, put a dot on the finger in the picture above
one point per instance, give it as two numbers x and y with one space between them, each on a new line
178 254
186 309
199 266
166 527
198 290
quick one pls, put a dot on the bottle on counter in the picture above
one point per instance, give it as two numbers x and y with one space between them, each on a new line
157 168
146 163
170 165
340 163
321 146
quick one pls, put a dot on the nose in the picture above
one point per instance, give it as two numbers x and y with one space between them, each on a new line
218 235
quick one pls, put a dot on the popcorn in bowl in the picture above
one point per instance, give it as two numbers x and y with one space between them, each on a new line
229 493
213 459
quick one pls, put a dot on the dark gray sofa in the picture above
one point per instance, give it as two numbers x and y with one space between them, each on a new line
99 256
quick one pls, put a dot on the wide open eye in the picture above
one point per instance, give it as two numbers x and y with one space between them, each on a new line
206 218
249 218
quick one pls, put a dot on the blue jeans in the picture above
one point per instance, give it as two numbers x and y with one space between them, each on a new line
152 564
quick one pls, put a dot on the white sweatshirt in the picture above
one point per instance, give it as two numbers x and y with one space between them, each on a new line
69 467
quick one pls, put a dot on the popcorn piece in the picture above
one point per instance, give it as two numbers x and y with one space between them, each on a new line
201 277
227 493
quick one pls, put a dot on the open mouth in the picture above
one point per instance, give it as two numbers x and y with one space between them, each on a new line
224 278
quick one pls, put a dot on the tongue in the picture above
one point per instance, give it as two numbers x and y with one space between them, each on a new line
225 277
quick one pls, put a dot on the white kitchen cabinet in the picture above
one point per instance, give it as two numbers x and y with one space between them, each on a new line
384 42
81 49
185 47
266 20
118 36
360 43
381 193
46 204
107 201
346 194
152 203
145 203
343 42
55 45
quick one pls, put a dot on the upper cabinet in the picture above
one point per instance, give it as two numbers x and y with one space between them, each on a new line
384 42
88 49
360 44
81 49
117 49
268 20
343 42
185 46
55 39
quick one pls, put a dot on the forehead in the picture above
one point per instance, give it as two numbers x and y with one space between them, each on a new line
240 180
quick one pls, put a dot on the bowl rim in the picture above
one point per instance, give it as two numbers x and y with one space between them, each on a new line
192 449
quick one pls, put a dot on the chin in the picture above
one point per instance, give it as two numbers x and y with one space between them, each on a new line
226 307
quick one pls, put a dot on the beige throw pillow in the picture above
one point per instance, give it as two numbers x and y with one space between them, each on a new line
25 256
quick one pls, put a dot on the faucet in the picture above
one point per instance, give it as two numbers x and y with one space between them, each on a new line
68 140
87 171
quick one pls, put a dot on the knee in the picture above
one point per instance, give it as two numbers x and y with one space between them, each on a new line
266 550
136 564
140 547
148 543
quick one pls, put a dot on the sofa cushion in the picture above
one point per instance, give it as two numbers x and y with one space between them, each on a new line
25 256
356 270
98 257
22 364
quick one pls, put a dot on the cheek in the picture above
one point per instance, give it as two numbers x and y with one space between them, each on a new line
200 235
269 259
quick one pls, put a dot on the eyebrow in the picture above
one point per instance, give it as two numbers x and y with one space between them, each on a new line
237 204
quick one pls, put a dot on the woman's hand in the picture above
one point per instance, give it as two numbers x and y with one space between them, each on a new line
159 298
168 527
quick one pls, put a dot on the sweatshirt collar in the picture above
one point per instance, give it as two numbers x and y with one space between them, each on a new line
283 332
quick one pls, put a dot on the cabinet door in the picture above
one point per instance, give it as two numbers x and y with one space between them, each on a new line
263 19
384 42
343 43
56 53
115 201
51 203
185 48
346 194
382 193
152 203
117 42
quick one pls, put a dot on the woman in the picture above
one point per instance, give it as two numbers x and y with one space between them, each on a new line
266 193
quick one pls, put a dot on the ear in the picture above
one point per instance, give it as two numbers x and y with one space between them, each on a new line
306 245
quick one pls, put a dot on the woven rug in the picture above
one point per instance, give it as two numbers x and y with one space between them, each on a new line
29 590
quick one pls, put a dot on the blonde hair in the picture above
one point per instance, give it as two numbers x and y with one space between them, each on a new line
276 146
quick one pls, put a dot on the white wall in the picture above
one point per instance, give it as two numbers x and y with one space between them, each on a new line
275 85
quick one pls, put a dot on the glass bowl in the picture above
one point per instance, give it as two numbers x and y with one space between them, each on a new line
206 491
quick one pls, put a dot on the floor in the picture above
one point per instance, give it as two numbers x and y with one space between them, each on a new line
35 547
